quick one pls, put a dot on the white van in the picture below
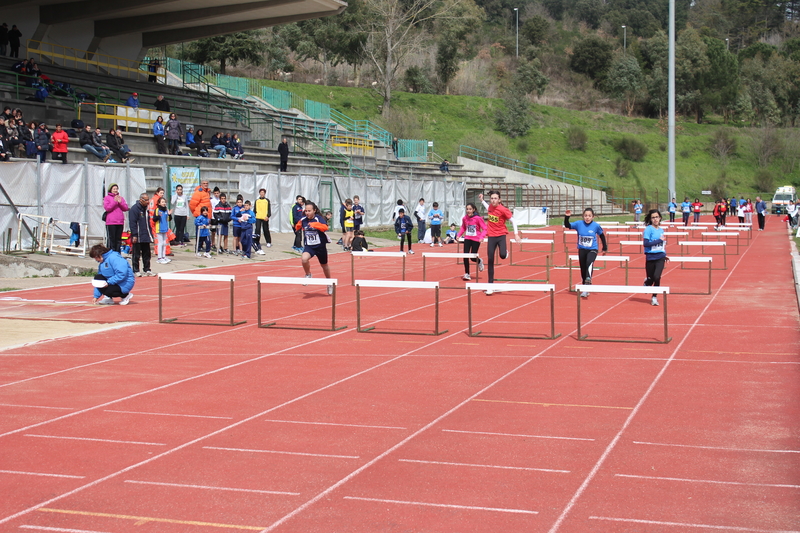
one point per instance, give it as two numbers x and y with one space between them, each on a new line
784 197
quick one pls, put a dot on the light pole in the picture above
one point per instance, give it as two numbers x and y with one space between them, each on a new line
516 11
727 45
624 39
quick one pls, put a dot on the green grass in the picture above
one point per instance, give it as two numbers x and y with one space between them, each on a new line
6 289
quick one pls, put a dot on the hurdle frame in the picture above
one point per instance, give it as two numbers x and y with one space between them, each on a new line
449 255
548 263
718 234
623 289
397 285
331 282
683 260
177 276
353 256
613 258
508 287
702 244
640 244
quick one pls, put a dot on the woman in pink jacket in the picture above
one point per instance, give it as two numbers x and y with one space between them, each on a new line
473 228
115 207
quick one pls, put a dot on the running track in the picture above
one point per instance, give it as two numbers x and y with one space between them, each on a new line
178 428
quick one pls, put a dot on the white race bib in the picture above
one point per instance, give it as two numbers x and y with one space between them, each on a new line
657 248
472 230
312 238
586 242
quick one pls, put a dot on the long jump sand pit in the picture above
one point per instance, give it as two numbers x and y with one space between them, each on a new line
18 332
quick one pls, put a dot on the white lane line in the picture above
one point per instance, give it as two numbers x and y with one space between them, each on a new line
448 506
39 474
231 489
333 424
515 435
696 526
35 406
710 481
167 414
64 530
484 466
281 452
95 440
723 448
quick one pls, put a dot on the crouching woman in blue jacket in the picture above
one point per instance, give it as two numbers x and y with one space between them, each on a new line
114 277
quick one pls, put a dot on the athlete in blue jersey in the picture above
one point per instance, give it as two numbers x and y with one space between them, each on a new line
588 232
655 246
313 227
686 209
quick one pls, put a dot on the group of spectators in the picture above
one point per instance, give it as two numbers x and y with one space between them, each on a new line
9 39
113 150
20 139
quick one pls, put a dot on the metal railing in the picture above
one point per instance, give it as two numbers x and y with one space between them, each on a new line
91 61
531 169
362 126
22 86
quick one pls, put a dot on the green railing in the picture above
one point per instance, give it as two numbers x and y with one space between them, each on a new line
412 150
531 169
362 126
20 89
277 98
326 155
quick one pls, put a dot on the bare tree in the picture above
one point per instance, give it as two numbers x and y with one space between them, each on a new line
766 145
394 27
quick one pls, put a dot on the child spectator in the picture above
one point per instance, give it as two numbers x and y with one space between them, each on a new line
348 224
201 223
360 242
263 209
435 217
236 223
180 211
358 213
161 218
246 219
403 227
451 235
222 214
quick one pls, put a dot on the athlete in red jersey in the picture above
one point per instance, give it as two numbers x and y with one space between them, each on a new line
496 223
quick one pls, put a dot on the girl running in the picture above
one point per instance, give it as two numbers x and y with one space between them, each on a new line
313 228
654 250
497 231
473 228
588 231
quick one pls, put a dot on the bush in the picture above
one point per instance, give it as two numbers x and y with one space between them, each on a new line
577 138
723 145
720 187
515 120
631 148
417 81
522 145
622 167
532 159
764 181
685 154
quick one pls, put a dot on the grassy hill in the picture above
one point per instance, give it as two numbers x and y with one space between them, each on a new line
450 121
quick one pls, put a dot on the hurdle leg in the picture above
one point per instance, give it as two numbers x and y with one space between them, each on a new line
709 277
404 266
469 314
358 310
436 320
667 338
423 269
553 315
160 302
580 337
352 270
627 261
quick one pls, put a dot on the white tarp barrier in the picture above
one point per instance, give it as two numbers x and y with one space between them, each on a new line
531 216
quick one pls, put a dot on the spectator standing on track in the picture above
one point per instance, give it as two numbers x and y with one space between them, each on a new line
161 219
348 225
216 194
298 212
246 218
237 225
263 213
174 132
114 278
60 141
673 208
159 136
201 223
761 210
314 228
115 207
637 210
435 216
748 213
358 214
397 209
180 213
655 250
473 228
420 213
403 227
717 214
588 232
133 101
14 36
740 213
152 207
686 210
201 197
497 231
222 214
697 207
161 104
283 152
141 235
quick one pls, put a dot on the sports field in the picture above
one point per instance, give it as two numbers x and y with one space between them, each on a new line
165 427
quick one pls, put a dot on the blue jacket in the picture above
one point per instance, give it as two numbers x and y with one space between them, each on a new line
132 102
247 225
402 224
201 221
117 271
158 128
189 137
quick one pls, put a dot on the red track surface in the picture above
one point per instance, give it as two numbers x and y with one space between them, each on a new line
180 428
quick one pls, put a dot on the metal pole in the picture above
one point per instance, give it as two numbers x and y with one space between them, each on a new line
671 111
516 10
624 40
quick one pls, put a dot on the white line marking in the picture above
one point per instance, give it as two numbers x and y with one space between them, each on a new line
333 424
211 488
64 530
484 466
39 474
95 440
710 481
514 435
635 410
715 447
448 506
167 414
281 452
35 406
683 524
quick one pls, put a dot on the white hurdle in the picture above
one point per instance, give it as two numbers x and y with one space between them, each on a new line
177 276
448 255
702 245
608 258
508 287
389 284
623 289
640 244
332 282
684 260
549 253
353 256
707 235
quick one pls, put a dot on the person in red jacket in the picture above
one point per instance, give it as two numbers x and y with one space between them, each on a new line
60 139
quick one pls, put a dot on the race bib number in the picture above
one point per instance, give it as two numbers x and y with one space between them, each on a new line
472 230
179 202
312 238
348 223
685 209
657 248
494 218
586 242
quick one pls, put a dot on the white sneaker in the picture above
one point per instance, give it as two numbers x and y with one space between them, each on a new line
466 277
432 245
160 261
261 252
207 255
308 276
480 264
127 299
269 245
138 274
584 295
440 244
105 300
411 252
489 292
330 289
199 255
654 301
167 260
149 273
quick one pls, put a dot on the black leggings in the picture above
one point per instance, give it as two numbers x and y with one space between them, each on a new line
114 236
180 227
403 237
491 247
112 291
262 229
586 259
654 270
470 247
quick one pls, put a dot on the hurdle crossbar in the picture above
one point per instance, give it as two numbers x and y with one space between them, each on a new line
703 244
177 276
623 289
684 260
332 282
507 287
549 254
449 255
631 243
607 258
353 256
389 284
707 236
